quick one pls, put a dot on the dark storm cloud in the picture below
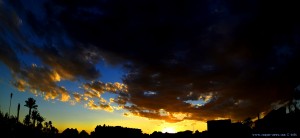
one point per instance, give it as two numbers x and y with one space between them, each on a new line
71 63
236 57
47 40
177 48
9 26
8 56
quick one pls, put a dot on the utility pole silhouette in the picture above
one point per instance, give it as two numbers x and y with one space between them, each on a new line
11 94
193 124
18 112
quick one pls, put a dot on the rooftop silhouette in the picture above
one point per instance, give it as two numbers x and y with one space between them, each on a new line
278 122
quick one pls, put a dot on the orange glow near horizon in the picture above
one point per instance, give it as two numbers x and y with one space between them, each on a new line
147 126
169 130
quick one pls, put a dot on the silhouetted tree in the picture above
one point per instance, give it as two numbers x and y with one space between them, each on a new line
46 127
248 122
30 103
49 129
10 128
53 130
50 124
34 116
40 120
26 120
83 134
70 133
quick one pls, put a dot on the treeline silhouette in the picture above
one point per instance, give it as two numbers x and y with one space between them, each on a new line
34 124
284 121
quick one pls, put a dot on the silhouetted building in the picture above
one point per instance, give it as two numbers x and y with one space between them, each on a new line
279 120
217 128
224 128
218 125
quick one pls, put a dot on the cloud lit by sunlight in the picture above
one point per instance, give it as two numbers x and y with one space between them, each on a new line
20 84
77 97
181 116
100 106
55 76
64 95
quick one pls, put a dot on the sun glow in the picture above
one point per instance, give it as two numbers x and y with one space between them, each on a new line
169 130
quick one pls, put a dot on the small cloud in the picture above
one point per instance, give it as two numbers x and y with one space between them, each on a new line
181 116
106 107
111 100
118 107
102 100
91 105
150 93
77 97
92 94
85 98
163 112
55 76
64 95
125 114
101 106
20 85
96 87
50 95
100 87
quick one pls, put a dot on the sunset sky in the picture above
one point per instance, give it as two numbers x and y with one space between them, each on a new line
149 64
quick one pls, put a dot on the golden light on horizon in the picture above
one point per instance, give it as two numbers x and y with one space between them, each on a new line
169 130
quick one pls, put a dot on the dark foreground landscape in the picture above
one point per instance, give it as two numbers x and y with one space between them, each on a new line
283 122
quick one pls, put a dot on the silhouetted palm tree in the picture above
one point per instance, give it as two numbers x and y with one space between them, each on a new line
46 126
30 103
34 116
26 120
40 120
50 124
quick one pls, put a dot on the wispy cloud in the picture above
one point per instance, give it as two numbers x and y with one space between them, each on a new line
99 106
